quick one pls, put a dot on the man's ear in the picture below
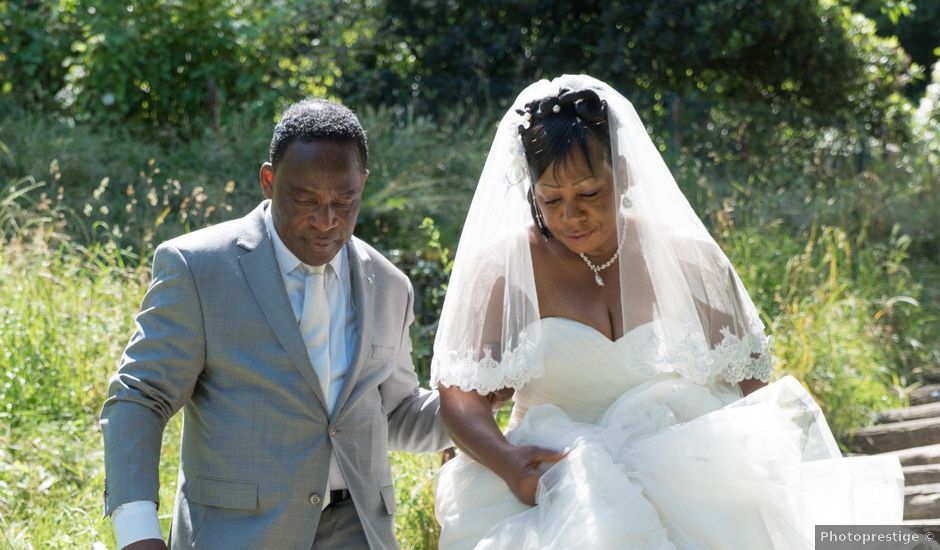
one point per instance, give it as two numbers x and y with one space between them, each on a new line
266 180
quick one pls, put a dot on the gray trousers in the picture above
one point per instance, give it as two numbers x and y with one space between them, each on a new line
340 528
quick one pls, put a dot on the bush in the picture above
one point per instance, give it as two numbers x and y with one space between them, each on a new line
35 43
926 123
171 64
782 53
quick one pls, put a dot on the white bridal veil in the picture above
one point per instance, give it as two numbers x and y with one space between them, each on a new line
673 275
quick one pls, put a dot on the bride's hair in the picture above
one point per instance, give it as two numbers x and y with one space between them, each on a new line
553 127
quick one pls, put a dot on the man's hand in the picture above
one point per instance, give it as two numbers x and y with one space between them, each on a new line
523 470
147 544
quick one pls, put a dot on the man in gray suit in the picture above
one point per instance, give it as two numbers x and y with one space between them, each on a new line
286 341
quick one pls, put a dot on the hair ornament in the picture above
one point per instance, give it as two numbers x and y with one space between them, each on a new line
586 103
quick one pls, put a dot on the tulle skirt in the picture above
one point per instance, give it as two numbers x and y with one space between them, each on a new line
670 466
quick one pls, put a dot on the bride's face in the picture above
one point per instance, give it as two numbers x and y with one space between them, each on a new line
577 201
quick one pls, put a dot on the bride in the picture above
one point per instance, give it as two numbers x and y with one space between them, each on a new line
586 288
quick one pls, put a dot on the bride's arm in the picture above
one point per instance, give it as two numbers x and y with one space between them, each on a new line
750 385
719 319
469 418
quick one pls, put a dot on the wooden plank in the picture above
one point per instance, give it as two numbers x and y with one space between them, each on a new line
896 435
927 410
925 394
922 474
927 454
922 501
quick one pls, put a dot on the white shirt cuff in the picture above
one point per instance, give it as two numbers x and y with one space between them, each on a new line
134 521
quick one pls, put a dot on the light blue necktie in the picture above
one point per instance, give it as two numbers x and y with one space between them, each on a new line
315 327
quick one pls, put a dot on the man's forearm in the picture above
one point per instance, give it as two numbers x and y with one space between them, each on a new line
132 438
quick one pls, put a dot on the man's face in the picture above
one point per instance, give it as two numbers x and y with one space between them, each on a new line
315 195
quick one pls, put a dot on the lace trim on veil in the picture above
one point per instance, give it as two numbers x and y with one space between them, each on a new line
486 375
738 357
734 359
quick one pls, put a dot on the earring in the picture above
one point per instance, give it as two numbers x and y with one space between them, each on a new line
625 202
541 223
537 215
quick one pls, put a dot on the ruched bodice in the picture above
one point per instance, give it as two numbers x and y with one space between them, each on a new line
585 371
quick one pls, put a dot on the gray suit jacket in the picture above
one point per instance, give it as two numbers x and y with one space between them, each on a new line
216 336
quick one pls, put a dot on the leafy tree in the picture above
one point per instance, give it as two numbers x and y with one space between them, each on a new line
916 23
816 55
173 63
155 62
35 40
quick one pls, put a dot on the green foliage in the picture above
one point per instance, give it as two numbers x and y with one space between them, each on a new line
172 64
420 166
783 53
415 477
142 190
47 290
35 41
66 312
428 268
926 121
51 480
108 188
154 61
181 65
916 23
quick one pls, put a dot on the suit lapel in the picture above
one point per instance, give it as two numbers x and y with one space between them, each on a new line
362 279
264 278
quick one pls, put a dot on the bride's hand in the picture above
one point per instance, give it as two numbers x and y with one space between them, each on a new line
523 470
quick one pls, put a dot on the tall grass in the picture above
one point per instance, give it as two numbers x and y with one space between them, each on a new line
140 190
65 318
829 302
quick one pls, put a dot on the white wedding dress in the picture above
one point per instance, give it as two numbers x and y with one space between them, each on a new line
657 460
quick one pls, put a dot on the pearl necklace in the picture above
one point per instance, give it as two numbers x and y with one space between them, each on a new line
598 268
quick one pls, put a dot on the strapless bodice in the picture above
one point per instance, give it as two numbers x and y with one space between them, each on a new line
585 371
